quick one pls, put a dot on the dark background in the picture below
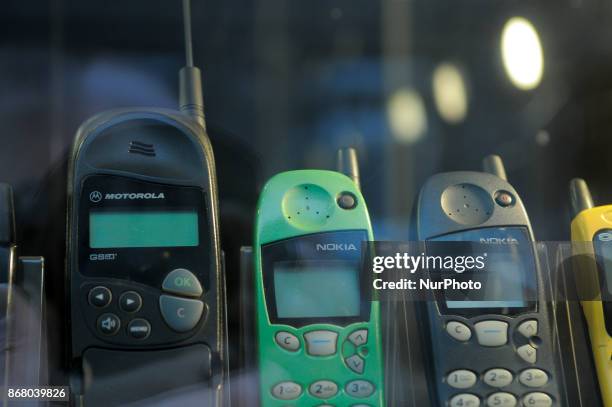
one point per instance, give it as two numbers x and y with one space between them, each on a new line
287 82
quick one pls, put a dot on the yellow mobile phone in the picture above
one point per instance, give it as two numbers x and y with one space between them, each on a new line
593 224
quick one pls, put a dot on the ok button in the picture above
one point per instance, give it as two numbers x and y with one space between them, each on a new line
182 282
180 314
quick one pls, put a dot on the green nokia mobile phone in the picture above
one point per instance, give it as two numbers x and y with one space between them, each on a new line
318 329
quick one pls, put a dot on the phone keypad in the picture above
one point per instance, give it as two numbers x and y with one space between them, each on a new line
355 363
528 328
501 399
359 388
325 343
130 301
287 341
321 343
461 379
459 331
359 337
533 378
495 333
109 324
498 377
287 390
528 353
491 333
100 297
464 400
323 389
125 312
537 399
181 314
139 328
182 282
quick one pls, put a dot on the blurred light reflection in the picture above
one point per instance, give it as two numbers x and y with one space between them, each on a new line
450 95
522 53
407 116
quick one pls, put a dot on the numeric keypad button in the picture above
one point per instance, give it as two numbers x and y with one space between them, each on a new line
459 331
464 400
501 399
537 399
323 389
287 341
497 377
359 388
528 353
287 390
533 378
461 379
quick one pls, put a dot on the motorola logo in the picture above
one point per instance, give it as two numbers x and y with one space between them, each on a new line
133 196
95 196
335 247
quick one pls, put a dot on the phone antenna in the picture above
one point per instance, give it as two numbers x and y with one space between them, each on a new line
191 101
348 164
493 164
580 196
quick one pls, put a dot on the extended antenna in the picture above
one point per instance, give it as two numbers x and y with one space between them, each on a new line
348 164
191 101
580 196
493 164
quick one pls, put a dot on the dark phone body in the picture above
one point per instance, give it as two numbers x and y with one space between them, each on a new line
466 206
147 160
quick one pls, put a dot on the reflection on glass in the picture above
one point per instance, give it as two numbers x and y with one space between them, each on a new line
522 53
449 93
406 115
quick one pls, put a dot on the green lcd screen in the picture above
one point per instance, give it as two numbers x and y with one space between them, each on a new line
124 229
310 289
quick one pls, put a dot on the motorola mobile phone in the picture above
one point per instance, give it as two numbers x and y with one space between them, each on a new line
594 225
318 331
144 265
487 352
